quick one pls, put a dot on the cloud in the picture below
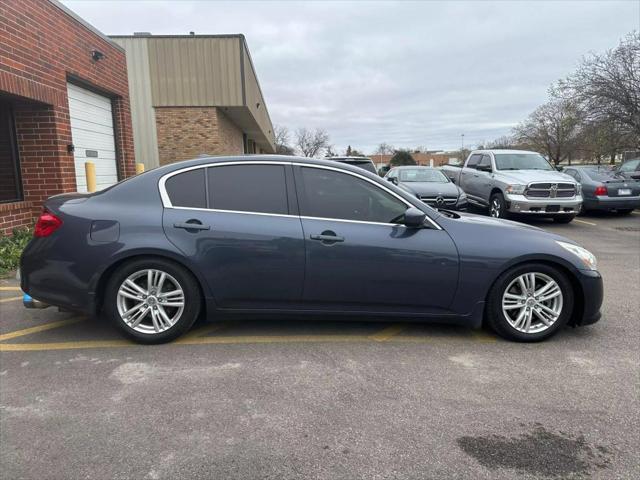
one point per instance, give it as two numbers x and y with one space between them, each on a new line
405 73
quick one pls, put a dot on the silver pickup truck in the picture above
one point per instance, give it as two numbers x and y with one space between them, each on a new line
518 182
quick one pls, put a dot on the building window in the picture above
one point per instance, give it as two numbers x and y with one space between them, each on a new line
10 184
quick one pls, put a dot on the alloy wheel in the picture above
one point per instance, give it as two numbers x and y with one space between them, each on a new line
496 208
532 302
150 301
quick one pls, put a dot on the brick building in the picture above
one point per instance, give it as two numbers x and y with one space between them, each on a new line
63 100
193 95
435 159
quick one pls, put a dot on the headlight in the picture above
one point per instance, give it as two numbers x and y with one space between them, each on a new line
587 258
578 189
516 189
462 196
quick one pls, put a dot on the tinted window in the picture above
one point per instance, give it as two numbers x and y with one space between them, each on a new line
248 188
485 161
473 161
187 189
331 194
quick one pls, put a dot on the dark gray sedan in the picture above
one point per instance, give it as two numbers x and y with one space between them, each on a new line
431 186
294 236
605 189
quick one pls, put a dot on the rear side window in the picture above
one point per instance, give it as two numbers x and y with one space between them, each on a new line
331 194
248 188
187 189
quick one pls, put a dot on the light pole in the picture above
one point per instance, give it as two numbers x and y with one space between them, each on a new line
462 145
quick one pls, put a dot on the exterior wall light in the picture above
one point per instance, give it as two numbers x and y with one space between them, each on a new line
97 55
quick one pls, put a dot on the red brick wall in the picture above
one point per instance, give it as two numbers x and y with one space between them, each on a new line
41 47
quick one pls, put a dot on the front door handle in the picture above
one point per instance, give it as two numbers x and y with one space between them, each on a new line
327 237
191 225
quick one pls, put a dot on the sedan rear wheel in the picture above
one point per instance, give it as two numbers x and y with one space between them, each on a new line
152 301
530 302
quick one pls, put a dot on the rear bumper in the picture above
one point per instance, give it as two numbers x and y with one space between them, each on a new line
543 206
593 293
612 203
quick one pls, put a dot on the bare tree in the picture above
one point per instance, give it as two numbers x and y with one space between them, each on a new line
606 87
283 145
551 129
384 149
311 143
506 142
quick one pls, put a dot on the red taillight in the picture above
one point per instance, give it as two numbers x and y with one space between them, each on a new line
47 224
601 190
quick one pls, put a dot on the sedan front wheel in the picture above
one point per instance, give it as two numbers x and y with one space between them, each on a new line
530 303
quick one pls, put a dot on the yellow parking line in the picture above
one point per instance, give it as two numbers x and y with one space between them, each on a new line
32 347
9 289
236 340
387 333
586 223
200 332
10 299
39 328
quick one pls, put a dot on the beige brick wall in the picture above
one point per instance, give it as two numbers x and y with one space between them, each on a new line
186 132
230 136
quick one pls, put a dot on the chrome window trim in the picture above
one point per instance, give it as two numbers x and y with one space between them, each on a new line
166 201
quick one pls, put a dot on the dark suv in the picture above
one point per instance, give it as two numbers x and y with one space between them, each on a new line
361 162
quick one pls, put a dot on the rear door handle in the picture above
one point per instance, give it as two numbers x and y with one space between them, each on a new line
191 225
327 238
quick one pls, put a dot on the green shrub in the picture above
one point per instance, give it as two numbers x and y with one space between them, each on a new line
402 157
11 247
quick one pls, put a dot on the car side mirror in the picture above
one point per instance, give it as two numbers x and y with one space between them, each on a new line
393 180
414 218
560 168
484 168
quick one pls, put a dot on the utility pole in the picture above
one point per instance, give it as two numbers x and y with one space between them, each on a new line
462 146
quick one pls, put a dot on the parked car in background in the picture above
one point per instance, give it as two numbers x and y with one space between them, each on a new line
382 171
605 189
517 182
430 185
629 169
361 162
287 235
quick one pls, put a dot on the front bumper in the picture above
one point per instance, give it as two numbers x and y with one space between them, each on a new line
543 206
588 312
612 203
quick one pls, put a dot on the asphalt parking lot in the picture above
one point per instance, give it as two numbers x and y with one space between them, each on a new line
328 399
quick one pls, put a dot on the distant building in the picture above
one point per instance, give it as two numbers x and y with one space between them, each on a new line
193 95
435 159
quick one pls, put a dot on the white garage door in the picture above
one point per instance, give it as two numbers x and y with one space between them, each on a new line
92 136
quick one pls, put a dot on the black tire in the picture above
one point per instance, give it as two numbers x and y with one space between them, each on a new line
495 317
188 284
625 211
498 206
564 218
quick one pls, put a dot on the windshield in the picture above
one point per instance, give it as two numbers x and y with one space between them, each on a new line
422 175
521 161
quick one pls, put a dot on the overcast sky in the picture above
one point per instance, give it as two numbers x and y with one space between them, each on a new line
406 73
